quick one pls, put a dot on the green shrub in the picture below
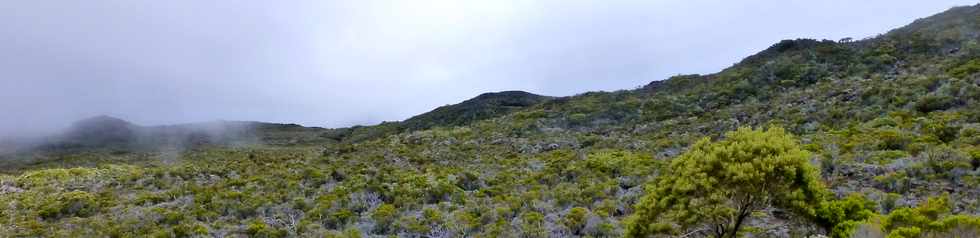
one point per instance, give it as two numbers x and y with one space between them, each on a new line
931 218
575 219
888 202
384 216
893 139
898 182
934 102
70 204
50 176
258 228
187 230
944 159
747 169
887 156
966 69
533 224
841 217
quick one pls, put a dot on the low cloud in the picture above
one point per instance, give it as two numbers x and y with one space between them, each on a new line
333 63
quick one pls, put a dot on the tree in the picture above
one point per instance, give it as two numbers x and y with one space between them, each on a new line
714 187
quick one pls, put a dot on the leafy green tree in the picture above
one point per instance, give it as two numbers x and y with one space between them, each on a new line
714 187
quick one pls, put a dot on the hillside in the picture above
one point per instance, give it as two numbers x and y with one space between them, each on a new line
890 125
484 106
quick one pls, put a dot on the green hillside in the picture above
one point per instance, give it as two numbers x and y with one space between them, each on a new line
866 138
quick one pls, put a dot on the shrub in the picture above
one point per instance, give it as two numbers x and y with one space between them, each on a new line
464 221
974 158
898 182
76 203
893 139
934 102
931 218
384 216
258 228
187 230
575 219
720 184
966 69
841 217
532 225
888 202
887 156
945 160
51 176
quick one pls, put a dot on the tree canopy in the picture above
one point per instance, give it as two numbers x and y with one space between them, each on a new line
714 187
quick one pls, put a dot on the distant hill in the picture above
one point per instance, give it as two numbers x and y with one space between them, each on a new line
99 131
484 106
109 133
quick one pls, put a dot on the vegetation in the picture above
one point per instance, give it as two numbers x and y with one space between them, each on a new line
880 138
714 187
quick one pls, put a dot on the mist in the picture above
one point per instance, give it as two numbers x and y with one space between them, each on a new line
342 63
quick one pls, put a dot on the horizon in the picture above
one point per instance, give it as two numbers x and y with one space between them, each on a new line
177 63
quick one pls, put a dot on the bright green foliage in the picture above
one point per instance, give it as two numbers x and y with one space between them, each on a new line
918 217
718 185
840 217
931 218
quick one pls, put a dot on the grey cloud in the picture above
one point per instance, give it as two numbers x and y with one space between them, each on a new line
338 63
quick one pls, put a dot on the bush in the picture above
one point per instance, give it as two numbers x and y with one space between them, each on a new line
76 203
934 102
258 228
186 230
384 216
532 225
893 139
887 156
52 176
966 69
841 217
575 219
974 158
945 160
930 219
720 184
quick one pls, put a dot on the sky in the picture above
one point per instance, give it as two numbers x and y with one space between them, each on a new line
341 63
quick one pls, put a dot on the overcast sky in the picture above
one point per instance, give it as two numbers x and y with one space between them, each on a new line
339 63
